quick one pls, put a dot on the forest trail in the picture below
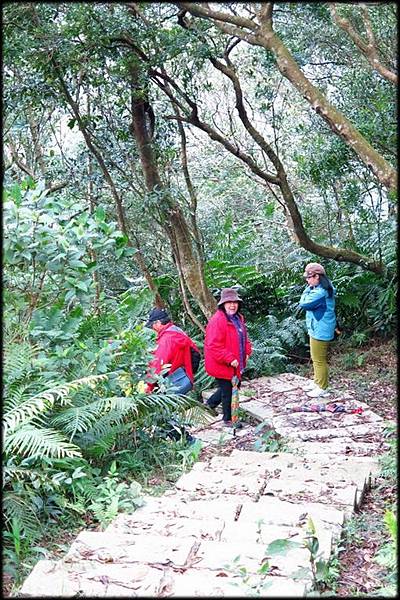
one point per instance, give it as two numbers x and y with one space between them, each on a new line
209 534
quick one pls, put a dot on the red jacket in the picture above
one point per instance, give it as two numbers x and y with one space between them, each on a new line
221 346
173 347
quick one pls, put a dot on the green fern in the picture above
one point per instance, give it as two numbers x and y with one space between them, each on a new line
16 506
18 360
222 273
43 401
29 440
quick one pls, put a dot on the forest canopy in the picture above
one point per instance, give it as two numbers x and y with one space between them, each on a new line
170 120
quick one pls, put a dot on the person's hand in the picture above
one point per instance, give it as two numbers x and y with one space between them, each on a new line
141 387
235 363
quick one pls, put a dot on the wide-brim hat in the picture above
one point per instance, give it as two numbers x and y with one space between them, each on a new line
314 269
229 295
157 314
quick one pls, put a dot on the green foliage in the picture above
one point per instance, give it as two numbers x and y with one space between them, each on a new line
272 340
190 454
75 348
388 461
387 555
268 440
324 572
114 496
254 582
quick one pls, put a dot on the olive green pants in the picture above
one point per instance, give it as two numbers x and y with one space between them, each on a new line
319 357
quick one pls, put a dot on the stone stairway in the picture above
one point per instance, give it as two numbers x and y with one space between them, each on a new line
208 536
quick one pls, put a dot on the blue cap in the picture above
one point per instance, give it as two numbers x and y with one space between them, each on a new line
157 314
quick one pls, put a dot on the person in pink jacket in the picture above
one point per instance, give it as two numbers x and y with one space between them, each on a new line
226 350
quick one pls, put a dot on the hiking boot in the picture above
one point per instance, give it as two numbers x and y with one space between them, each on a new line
236 425
318 392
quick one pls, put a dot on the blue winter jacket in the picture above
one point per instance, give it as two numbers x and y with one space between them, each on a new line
320 312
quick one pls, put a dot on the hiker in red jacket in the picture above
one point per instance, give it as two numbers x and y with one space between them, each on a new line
226 350
173 348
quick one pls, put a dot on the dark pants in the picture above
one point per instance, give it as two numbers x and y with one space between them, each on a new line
224 395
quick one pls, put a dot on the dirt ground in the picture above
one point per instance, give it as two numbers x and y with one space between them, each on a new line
373 382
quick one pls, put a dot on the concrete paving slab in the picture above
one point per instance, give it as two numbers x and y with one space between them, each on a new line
352 469
262 533
201 529
206 584
280 512
52 579
125 548
213 437
282 386
227 557
218 482
220 556
300 491
351 431
337 446
258 410
226 465
226 508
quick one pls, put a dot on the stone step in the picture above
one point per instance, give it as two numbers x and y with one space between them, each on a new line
218 530
186 505
128 548
52 579
352 431
343 445
296 489
311 467
209 483
340 482
271 511
175 526
184 553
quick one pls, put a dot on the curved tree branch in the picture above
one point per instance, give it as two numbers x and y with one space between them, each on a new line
264 35
368 49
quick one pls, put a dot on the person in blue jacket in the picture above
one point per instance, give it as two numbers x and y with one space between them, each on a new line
318 300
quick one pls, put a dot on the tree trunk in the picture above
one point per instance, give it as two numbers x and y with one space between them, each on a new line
172 218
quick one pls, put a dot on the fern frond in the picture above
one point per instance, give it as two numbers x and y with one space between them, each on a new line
18 360
45 400
29 440
16 507
78 419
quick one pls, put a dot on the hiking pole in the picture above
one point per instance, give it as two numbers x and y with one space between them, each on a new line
235 400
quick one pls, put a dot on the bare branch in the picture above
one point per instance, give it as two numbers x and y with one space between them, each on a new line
368 49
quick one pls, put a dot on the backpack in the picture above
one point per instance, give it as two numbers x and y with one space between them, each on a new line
195 357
